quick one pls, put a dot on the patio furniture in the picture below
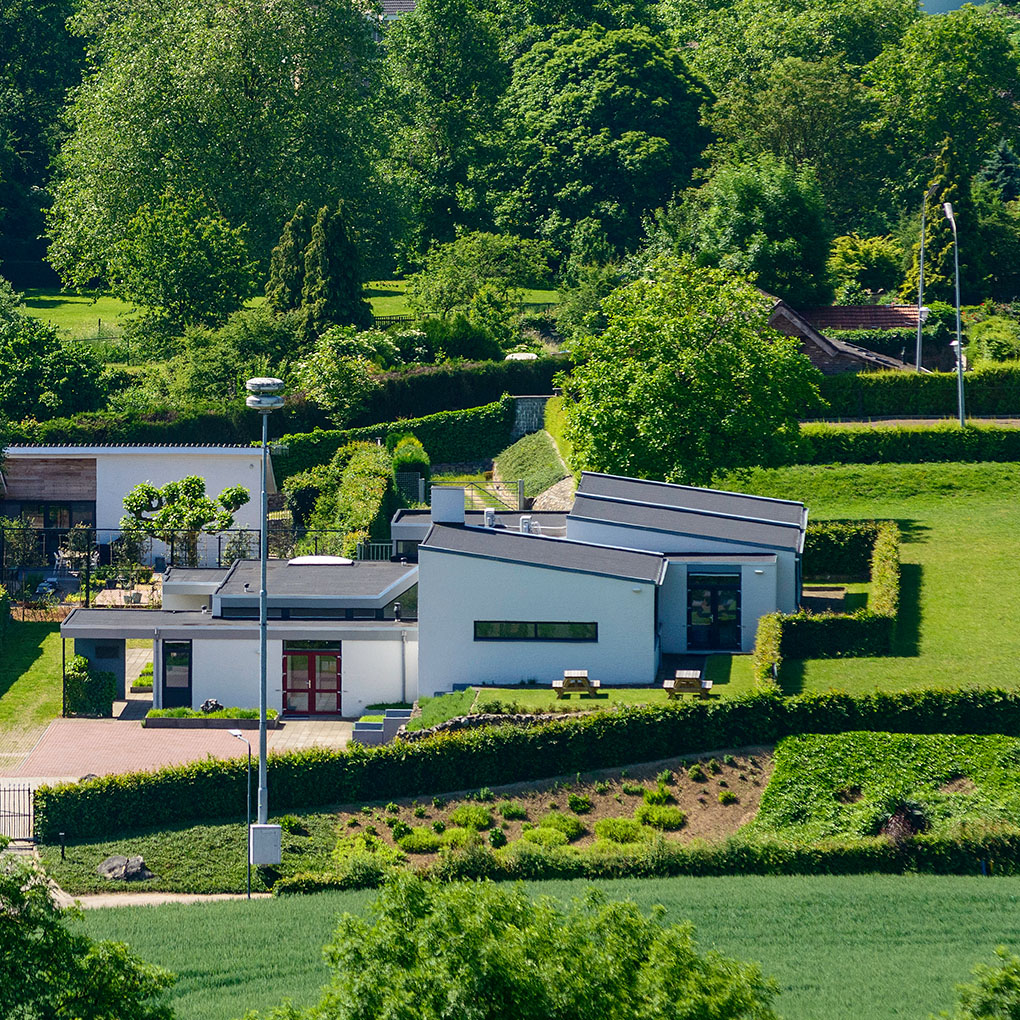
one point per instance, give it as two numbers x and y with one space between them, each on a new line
687 681
575 680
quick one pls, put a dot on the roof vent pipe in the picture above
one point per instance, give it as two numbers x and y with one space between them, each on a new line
447 504
489 517
526 524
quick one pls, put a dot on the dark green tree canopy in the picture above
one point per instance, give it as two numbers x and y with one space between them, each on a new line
687 379
1002 171
287 263
604 126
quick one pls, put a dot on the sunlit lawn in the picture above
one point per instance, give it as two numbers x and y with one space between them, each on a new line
388 297
30 692
78 316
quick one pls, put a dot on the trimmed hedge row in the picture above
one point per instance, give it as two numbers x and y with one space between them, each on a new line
962 855
897 444
866 632
895 343
450 437
992 389
839 549
490 756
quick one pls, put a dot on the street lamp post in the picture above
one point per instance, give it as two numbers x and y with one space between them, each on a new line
947 208
241 736
921 310
264 397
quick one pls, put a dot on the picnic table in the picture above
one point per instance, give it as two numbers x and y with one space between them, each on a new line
687 681
575 680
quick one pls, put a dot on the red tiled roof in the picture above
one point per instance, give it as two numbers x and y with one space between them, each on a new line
394 8
862 317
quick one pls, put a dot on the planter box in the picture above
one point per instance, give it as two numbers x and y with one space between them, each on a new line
207 724
140 688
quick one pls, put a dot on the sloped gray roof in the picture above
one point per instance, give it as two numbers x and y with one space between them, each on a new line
358 580
689 497
544 551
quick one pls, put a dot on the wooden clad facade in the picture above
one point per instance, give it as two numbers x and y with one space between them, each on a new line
50 479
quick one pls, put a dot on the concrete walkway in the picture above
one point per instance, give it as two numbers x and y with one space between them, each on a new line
96 901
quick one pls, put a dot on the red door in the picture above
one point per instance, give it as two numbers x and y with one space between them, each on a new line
311 679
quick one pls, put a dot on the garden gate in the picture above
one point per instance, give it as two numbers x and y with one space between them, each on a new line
16 811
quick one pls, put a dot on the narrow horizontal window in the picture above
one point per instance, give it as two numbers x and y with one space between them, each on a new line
538 630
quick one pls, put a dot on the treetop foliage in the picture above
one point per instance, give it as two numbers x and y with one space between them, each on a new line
180 507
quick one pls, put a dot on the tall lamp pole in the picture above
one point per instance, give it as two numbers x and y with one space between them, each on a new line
921 311
264 397
947 208
241 736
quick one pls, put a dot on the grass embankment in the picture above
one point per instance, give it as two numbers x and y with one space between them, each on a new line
880 947
959 599
556 425
442 707
848 783
533 459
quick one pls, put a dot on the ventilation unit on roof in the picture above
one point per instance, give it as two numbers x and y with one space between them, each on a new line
526 524
488 517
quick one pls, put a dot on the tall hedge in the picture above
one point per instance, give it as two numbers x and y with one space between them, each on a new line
450 437
488 756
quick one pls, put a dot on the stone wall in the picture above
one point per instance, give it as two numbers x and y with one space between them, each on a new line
529 416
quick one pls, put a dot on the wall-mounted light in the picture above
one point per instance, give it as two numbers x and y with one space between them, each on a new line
759 571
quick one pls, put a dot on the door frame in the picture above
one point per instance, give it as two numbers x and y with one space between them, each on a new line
177 697
714 644
311 656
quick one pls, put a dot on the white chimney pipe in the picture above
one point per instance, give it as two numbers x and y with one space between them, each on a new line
447 504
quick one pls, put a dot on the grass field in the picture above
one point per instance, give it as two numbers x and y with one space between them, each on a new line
843 948
30 675
388 297
960 599
78 316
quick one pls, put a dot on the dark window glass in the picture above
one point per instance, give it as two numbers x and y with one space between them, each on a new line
106 651
311 646
318 614
177 663
567 631
521 630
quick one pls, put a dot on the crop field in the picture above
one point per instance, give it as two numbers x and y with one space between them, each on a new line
843 948
959 600
844 784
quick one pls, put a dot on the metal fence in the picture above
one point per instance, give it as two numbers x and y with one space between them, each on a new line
16 816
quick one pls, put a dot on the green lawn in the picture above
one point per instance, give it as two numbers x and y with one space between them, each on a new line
960 600
30 692
388 297
843 948
78 316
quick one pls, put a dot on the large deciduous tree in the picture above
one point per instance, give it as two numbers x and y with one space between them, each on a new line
604 126
687 379
255 106
480 951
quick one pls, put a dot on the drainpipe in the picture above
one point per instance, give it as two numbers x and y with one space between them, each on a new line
403 665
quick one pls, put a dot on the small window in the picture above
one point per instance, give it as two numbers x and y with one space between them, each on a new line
107 651
542 630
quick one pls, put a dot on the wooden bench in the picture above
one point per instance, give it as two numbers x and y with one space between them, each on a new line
575 680
687 681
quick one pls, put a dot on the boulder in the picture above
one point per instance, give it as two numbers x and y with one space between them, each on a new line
124 869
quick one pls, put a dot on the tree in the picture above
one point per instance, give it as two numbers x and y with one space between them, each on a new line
1002 171
480 951
868 265
183 261
51 972
994 994
337 375
255 106
950 76
181 511
604 125
448 75
762 217
287 262
42 376
688 379
331 294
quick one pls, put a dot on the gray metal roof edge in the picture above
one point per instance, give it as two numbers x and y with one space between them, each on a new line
393 588
687 534
690 510
550 566
227 576
688 488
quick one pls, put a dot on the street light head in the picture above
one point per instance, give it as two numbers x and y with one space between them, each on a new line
947 208
236 733
923 312
264 403
264 384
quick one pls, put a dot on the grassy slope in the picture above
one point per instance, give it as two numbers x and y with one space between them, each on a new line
555 425
960 600
534 459
843 948
76 315
30 675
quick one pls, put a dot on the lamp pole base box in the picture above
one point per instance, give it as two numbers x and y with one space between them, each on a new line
265 846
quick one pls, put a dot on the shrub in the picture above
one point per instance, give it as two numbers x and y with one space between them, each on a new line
696 773
545 835
664 777
570 827
399 830
579 803
714 767
660 816
633 789
602 787
419 840
497 838
365 853
88 691
410 456
460 837
292 825
660 795
512 809
727 797
619 830
471 816
439 826
728 759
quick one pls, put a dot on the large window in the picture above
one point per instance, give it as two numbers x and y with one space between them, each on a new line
537 630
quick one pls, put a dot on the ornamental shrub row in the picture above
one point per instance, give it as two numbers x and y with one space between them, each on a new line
967 854
450 437
912 444
866 632
88 691
839 550
991 389
490 756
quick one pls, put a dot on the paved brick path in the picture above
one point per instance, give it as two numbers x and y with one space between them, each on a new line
71 748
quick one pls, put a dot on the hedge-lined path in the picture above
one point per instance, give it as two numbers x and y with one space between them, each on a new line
71 748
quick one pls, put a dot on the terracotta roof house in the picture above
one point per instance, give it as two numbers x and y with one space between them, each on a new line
840 317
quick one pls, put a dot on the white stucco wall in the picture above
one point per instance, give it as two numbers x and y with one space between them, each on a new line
787 596
454 591
228 670
178 601
370 673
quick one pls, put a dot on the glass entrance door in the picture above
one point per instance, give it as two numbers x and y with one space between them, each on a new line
177 674
713 612
311 677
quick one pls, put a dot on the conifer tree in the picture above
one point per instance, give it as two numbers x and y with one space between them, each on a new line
332 291
287 263
1002 171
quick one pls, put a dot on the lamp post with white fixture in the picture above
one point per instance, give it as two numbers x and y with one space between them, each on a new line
265 839
241 736
947 208
922 312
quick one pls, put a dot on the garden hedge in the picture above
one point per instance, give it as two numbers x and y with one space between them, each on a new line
914 444
489 756
865 632
839 550
450 437
5 614
989 390
897 343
